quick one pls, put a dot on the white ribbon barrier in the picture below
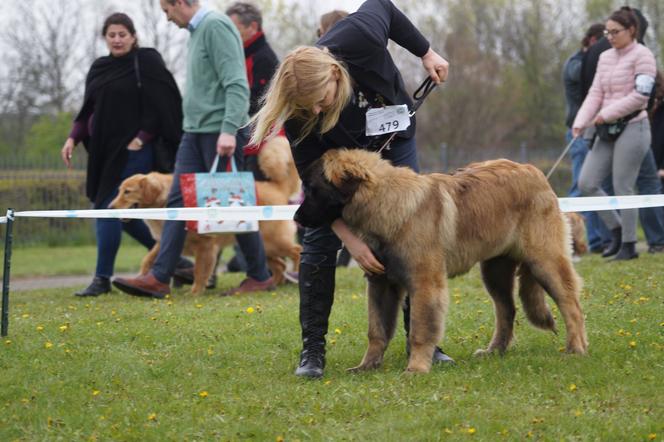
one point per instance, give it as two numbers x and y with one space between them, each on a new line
277 213
597 203
253 213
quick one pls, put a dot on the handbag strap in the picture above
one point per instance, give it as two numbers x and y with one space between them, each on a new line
231 163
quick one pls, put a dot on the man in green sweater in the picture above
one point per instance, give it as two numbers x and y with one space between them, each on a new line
216 101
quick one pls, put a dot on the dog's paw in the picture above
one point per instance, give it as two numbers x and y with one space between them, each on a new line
365 366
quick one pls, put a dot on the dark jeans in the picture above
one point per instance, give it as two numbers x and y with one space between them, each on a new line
109 231
652 218
595 229
196 154
321 245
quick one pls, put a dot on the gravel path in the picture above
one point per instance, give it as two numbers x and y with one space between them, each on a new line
49 282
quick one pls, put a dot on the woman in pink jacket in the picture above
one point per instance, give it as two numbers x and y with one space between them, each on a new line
619 94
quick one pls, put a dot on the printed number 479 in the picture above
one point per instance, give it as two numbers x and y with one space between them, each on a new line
389 125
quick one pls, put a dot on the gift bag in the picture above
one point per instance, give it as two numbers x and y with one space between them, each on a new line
219 189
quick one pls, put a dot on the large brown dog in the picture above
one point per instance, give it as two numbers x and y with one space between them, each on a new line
425 228
275 159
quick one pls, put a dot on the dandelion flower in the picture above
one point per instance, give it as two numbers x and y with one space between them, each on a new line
572 387
337 331
40 328
48 344
203 394
152 416
95 392
199 305
652 436
471 430
250 310
632 344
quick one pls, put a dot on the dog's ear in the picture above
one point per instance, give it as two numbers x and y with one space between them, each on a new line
150 192
348 185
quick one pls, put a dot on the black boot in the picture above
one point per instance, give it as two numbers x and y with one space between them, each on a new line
439 356
627 252
316 298
616 241
98 286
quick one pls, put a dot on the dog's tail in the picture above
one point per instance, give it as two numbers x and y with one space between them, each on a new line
533 299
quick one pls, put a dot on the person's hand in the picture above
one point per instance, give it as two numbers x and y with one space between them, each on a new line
358 249
436 66
67 151
660 173
598 120
135 144
576 132
226 144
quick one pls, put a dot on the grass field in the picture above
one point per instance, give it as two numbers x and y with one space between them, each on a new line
213 368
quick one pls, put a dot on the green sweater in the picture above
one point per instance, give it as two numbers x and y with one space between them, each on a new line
216 94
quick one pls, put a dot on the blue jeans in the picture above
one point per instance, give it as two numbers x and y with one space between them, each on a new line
196 154
595 228
109 231
652 218
647 183
320 244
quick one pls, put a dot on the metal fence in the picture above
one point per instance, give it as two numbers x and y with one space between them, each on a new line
45 184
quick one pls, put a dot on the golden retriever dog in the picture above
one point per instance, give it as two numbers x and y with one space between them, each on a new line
426 228
578 229
275 159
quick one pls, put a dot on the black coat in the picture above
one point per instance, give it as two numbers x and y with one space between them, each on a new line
261 62
360 41
124 102
657 128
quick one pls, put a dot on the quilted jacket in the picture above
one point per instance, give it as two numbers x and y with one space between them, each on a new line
613 93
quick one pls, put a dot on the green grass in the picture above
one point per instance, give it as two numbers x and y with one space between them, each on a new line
213 368
71 260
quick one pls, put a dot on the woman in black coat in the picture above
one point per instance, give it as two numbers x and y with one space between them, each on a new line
130 122
321 96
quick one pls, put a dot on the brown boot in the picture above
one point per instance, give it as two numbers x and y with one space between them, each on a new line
144 285
251 285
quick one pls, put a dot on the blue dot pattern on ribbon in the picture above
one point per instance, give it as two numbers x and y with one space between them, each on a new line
268 211
72 214
172 213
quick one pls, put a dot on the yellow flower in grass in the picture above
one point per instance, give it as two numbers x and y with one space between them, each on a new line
203 394
652 436
337 331
632 344
578 413
95 392
572 387
471 431
8 341
250 310
40 328
63 328
280 439
152 416
48 344
199 305
25 315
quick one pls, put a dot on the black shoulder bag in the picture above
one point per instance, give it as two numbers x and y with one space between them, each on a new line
163 162
610 132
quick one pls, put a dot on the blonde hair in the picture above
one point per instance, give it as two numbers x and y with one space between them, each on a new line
298 85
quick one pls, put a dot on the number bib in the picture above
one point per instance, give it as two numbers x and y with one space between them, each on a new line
388 119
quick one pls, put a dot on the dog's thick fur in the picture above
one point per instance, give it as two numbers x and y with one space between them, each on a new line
578 230
275 159
425 228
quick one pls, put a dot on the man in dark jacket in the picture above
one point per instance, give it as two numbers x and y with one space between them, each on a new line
574 97
647 182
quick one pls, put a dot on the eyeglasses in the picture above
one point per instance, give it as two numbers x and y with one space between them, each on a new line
612 32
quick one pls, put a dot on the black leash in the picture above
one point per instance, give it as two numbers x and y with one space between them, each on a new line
420 94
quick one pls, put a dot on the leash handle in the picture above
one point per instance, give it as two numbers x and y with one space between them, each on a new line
419 95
